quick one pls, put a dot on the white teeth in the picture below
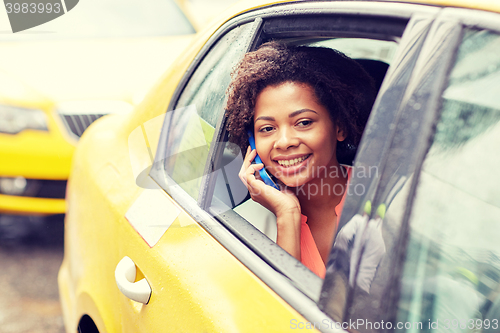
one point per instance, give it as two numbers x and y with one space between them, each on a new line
289 163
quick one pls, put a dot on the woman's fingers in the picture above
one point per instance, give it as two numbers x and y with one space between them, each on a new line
259 191
249 157
247 162
254 184
250 175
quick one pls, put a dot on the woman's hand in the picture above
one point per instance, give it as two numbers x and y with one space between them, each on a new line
278 202
284 204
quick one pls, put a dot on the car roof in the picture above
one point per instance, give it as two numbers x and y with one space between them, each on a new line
486 5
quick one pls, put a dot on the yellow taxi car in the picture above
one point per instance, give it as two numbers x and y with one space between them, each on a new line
57 78
160 235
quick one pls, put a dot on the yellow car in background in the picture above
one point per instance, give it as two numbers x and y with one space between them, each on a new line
58 78
160 233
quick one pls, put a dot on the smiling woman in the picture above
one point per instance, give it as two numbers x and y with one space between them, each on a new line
307 107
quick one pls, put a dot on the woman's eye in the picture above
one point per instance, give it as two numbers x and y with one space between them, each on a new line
266 129
304 123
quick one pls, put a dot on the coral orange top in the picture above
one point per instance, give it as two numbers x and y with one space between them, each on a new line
309 253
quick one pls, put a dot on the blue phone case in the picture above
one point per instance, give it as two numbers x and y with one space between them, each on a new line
263 173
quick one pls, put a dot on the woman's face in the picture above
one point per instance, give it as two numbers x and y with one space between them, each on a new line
294 135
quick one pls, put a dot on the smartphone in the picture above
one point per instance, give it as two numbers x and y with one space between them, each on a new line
263 173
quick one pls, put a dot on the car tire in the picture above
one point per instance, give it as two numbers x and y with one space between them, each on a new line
87 325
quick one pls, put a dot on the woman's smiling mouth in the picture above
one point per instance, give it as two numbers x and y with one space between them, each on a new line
287 163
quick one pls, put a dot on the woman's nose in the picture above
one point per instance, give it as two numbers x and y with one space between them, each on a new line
286 139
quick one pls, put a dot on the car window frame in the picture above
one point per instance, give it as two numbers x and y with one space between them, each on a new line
289 290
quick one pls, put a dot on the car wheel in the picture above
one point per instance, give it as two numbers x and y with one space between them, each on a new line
87 325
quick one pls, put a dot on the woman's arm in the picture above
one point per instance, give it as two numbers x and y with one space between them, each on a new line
289 232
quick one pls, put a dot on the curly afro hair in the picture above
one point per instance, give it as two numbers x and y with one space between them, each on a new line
339 82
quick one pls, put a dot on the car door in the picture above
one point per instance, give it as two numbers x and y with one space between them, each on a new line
207 267
218 190
426 258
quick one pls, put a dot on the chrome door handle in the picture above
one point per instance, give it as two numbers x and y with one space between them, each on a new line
139 291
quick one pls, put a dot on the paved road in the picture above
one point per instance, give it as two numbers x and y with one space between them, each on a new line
29 262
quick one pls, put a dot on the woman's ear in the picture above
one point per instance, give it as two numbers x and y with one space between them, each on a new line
340 134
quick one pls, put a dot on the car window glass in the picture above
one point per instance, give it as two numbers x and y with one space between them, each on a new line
451 277
207 87
189 129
